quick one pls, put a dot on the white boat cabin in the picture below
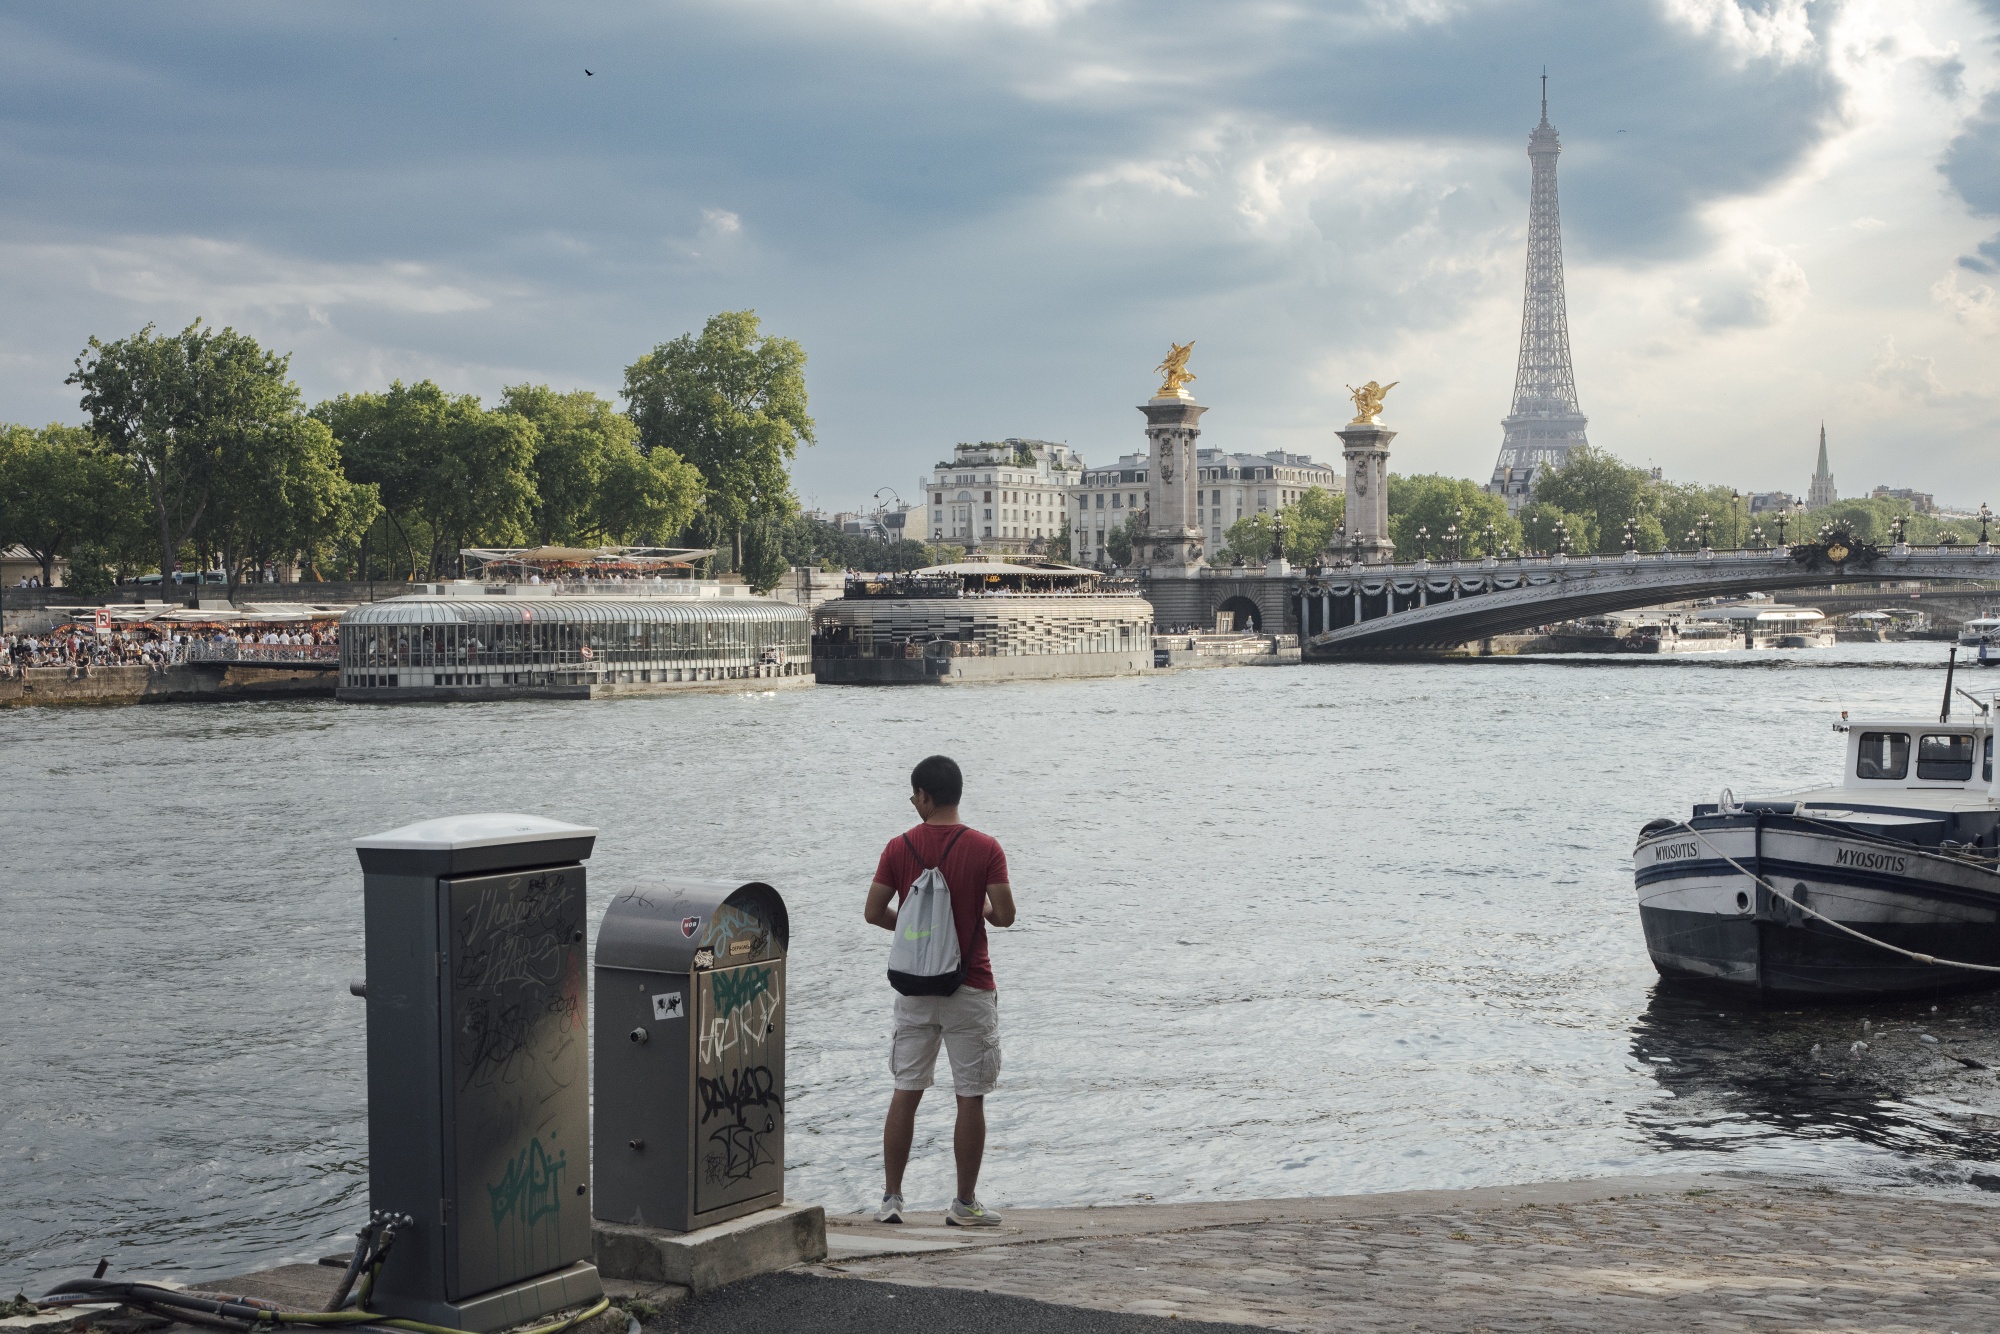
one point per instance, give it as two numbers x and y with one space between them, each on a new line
1916 761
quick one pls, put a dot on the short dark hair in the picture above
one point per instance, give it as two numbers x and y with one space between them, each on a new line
939 778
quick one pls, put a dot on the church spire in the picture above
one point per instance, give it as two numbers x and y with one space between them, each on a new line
1820 493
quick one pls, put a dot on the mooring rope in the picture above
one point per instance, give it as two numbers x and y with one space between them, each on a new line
1838 926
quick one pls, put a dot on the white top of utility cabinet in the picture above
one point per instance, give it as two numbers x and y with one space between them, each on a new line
473 831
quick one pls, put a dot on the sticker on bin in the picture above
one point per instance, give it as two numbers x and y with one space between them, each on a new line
667 1005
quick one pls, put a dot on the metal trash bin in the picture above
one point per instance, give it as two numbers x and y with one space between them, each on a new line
478 1092
690 1054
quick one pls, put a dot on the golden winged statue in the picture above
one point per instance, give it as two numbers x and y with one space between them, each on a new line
1368 401
1174 368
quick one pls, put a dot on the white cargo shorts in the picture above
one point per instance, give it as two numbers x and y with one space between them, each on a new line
967 1022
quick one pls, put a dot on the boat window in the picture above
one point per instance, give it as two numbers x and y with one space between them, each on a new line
1883 755
1944 756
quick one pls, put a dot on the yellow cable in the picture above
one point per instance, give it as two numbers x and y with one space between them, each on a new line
418 1327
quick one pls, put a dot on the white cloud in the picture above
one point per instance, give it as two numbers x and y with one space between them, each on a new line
1972 303
1751 286
228 278
1780 31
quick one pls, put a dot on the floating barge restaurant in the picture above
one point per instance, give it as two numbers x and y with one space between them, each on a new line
982 620
571 638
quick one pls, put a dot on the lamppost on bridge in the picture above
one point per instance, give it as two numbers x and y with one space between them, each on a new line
1782 517
1985 519
1757 537
1491 538
1562 537
1735 530
1423 543
1896 531
1451 542
1707 528
1631 537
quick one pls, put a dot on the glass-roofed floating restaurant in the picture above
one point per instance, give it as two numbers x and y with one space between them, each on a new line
573 622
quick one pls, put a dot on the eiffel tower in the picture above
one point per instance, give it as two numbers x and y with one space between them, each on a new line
1546 422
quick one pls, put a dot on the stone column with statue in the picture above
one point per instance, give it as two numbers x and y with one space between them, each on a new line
1365 449
1170 545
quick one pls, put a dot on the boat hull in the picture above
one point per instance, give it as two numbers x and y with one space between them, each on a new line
1707 921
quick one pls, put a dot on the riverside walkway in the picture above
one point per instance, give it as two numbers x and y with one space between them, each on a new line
1639 1253
1610 1256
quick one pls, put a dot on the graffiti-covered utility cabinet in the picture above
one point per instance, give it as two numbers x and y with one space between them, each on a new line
691 1053
478 1076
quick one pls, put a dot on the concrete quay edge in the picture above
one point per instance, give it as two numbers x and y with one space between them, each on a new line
860 1236
712 1257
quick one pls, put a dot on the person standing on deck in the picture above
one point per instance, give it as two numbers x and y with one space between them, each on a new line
967 1022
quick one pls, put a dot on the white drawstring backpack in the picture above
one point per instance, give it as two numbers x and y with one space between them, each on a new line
925 960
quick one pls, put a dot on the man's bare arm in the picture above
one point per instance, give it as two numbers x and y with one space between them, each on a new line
1000 905
878 912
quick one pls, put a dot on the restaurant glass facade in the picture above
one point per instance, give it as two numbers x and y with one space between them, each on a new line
526 645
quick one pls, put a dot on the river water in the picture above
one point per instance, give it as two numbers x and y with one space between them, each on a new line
1282 932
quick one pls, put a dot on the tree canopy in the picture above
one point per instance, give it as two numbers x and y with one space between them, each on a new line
180 409
592 482
732 402
61 491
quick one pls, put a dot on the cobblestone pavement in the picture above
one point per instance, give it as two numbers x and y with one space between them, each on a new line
1722 1253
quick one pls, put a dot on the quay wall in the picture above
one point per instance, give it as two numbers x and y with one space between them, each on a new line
172 685
963 671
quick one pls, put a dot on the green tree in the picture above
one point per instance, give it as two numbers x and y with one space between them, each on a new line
62 492
732 402
1595 489
280 495
1059 544
450 473
1435 503
1538 520
1312 524
764 562
1252 538
592 482
1118 541
175 407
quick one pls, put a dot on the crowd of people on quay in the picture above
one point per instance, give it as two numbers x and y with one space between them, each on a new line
159 647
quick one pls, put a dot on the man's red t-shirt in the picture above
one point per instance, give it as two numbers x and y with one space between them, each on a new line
973 862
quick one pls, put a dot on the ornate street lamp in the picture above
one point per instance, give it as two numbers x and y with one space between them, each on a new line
1782 517
1985 518
1631 538
1706 527
1491 538
1896 531
1423 543
1451 541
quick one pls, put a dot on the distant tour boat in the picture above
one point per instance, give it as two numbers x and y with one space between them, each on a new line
1887 884
1982 636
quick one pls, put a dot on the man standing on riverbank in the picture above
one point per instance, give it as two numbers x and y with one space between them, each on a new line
967 1022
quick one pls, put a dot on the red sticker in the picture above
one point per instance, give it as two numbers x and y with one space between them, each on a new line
690 925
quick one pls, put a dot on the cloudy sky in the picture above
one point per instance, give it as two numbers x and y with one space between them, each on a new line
989 217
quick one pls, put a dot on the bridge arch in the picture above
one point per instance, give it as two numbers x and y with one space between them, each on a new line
1420 606
1243 613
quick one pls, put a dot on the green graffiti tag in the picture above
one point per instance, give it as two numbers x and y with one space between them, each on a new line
738 987
532 1188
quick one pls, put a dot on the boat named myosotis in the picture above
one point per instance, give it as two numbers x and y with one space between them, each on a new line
1884 885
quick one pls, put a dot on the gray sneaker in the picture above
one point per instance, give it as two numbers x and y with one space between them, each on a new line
970 1213
891 1210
